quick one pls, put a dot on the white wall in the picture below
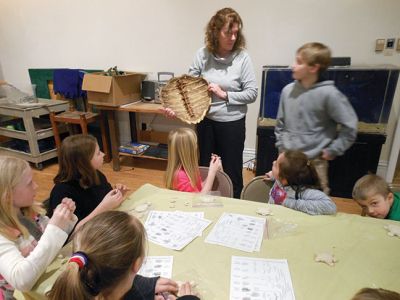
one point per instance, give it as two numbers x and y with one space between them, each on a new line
160 35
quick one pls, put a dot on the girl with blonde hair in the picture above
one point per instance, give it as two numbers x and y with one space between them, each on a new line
183 169
79 178
108 252
29 241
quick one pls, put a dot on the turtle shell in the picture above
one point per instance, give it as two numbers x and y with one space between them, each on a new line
188 97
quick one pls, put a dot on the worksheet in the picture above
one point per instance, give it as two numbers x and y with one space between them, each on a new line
173 230
154 266
238 231
259 279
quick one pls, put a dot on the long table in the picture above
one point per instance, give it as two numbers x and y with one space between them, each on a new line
367 255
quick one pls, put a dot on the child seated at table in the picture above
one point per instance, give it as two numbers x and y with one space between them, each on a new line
376 294
297 185
182 172
376 199
29 241
108 252
80 179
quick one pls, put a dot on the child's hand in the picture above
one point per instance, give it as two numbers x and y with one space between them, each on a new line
122 187
62 217
69 204
268 176
165 287
112 200
325 155
215 164
185 289
169 113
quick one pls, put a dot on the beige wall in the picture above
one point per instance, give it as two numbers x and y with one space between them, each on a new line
161 35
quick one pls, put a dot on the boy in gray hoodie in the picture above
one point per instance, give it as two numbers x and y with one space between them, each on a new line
310 109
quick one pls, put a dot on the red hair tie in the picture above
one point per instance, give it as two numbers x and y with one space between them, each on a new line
79 258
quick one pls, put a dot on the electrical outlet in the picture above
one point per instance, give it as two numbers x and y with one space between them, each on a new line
379 45
390 43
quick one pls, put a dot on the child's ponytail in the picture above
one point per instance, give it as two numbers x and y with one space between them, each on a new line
69 285
299 172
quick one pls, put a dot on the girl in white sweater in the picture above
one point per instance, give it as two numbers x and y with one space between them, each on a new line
28 240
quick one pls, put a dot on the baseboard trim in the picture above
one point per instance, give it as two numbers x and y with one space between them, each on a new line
382 170
249 158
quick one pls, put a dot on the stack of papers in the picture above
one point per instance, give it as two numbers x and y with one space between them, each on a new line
173 230
258 278
238 231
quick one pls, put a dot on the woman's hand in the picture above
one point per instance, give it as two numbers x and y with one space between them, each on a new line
164 287
112 200
169 113
122 187
62 217
216 89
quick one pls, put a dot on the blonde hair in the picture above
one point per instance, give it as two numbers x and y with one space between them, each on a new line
75 158
375 294
182 153
316 54
217 22
112 242
369 185
12 169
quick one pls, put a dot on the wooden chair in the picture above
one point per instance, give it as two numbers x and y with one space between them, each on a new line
257 190
82 119
222 185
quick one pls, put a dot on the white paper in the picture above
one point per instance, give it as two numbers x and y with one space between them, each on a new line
238 231
154 266
259 279
173 230
197 214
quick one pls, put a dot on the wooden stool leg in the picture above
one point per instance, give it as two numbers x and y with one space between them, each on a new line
106 149
55 131
83 124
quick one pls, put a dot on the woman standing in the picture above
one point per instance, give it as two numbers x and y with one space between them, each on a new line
227 67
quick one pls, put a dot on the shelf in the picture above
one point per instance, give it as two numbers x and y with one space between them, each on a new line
27 132
141 156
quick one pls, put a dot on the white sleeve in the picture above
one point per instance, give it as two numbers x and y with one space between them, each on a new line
23 272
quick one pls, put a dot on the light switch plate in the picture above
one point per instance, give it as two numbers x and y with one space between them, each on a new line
390 43
398 44
379 45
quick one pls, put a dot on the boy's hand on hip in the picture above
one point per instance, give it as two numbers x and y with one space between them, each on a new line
325 155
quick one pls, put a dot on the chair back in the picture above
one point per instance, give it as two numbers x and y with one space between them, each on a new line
257 190
222 185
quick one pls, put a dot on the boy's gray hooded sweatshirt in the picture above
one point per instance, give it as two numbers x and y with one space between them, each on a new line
307 120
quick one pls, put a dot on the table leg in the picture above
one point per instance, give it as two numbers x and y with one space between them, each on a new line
114 138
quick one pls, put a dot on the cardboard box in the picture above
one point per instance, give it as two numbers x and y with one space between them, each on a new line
112 90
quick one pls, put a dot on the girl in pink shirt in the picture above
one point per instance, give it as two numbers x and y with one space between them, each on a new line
183 169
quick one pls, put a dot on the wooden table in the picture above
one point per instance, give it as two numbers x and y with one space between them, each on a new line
136 107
